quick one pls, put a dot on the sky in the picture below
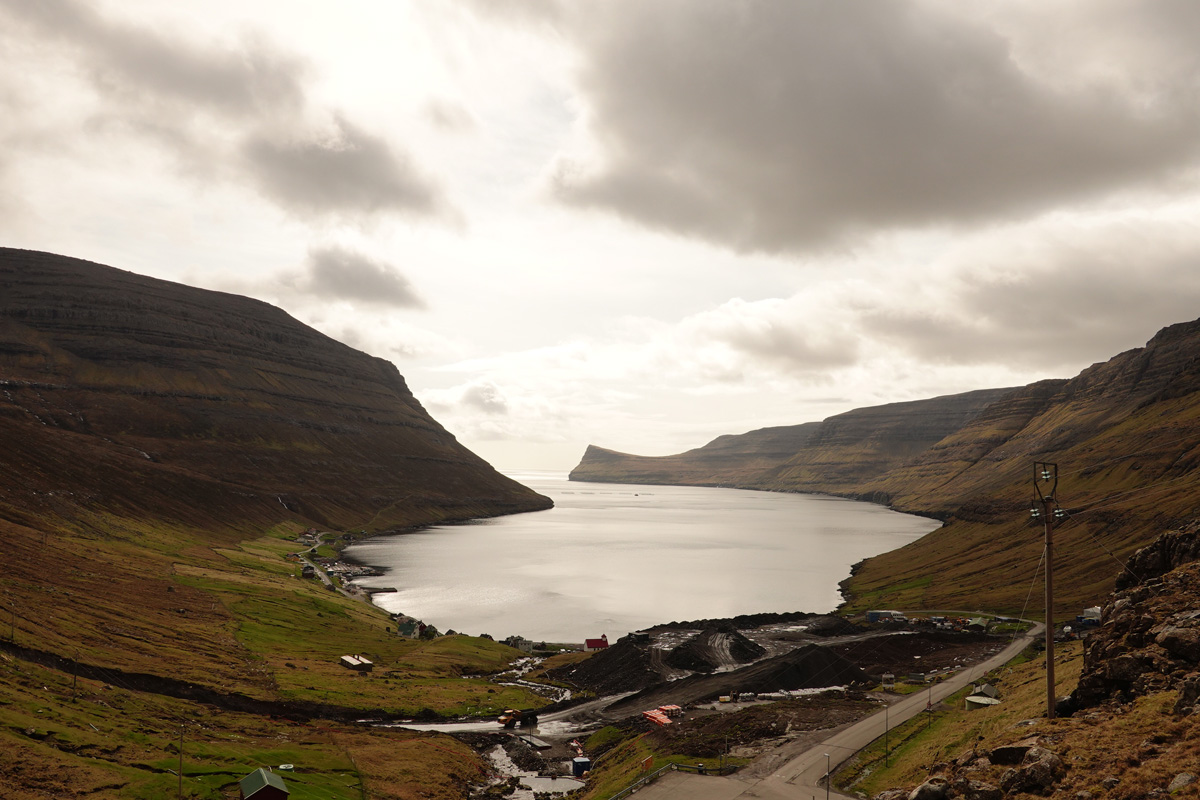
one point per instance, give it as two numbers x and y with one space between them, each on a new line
633 224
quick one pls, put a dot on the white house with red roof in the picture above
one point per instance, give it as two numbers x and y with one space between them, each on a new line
596 644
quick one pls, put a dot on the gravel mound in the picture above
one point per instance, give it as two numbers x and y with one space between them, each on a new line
710 649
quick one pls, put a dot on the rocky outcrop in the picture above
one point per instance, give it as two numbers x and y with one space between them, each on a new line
1016 770
127 396
1149 639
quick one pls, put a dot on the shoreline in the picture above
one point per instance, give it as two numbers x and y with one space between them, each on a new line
835 604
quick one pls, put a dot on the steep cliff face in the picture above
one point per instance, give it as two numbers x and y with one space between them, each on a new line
838 455
131 396
731 460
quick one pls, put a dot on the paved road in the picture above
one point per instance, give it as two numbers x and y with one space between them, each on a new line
802 778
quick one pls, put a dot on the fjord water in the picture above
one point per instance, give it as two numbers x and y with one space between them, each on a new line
612 558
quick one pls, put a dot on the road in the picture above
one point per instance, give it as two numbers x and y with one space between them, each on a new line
803 777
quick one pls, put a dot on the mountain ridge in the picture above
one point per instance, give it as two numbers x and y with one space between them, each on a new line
227 394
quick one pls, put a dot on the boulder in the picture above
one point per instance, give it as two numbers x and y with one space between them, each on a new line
1189 693
1039 770
933 789
1181 781
976 790
1183 643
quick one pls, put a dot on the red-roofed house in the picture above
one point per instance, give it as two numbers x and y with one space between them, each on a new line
596 644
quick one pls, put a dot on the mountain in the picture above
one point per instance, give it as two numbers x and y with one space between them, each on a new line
836 456
1125 435
163 449
137 397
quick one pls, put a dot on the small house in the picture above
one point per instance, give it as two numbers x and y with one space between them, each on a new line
263 784
591 645
520 643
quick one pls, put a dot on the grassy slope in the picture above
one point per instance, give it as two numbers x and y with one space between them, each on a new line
1141 744
135 599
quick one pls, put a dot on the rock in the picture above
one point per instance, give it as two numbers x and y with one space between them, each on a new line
1039 770
1065 706
1124 668
1180 781
1010 754
1181 643
976 790
932 789
892 794
1110 782
1189 693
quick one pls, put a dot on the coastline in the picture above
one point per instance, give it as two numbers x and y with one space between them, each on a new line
726 545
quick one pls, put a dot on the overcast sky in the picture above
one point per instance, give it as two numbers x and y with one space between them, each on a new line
634 224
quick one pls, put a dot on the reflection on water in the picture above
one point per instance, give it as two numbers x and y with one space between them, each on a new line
614 558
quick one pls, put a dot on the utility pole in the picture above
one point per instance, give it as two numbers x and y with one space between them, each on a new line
1045 506
886 749
181 761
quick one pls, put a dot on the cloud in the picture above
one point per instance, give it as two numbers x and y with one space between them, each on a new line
1052 297
789 127
349 173
140 65
235 112
450 117
485 397
339 273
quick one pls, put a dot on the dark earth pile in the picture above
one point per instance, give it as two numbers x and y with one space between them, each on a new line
708 737
901 654
622 667
740 622
710 649
807 667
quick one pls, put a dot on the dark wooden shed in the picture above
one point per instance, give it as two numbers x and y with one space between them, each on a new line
263 785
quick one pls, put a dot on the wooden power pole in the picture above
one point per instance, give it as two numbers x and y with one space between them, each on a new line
1045 505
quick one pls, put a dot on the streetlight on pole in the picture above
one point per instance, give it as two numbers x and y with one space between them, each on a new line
828 779
1045 484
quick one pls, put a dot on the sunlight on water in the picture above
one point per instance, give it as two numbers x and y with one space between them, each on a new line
613 558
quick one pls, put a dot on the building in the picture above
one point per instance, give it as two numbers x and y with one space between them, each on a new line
596 644
519 642
263 784
356 663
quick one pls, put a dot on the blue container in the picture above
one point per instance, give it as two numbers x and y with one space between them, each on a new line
580 765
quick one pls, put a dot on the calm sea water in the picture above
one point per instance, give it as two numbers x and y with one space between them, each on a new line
609 559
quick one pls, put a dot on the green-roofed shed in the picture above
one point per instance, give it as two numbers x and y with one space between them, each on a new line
263 785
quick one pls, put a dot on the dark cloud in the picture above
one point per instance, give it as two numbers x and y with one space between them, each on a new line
343 274
249 78
229 111
352 173
768 126
1077 305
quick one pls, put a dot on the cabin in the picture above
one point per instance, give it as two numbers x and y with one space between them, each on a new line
591 645
263 784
